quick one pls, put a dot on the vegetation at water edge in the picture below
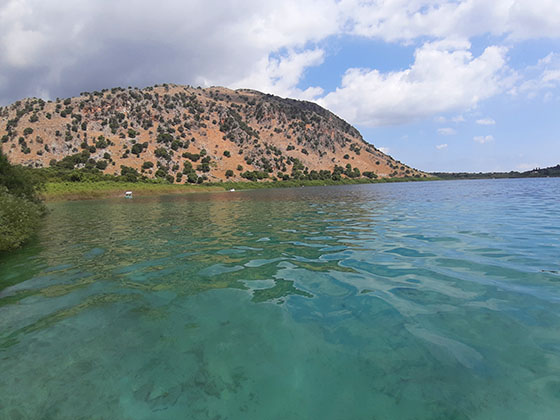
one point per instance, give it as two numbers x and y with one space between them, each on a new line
20 206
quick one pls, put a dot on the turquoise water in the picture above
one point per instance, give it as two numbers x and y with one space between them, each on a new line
389 301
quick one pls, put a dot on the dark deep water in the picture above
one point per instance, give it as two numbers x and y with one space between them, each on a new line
386 301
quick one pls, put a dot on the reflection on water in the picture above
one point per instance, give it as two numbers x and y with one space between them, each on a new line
425 300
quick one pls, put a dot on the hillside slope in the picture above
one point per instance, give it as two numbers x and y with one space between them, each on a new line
188 134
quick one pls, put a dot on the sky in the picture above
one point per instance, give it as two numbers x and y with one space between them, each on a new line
442 85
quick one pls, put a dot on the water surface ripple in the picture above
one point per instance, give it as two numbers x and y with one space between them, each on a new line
409 301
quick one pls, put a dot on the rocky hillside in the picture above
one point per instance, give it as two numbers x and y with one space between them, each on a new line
188 134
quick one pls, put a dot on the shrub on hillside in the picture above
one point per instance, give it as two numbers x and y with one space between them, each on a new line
101 164
191 156
162 152
101 143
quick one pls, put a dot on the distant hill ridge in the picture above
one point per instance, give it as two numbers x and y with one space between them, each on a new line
552 171
187 134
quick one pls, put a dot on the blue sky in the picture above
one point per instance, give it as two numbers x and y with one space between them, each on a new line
442 85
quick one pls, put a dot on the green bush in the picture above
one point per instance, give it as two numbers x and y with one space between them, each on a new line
369 174
176 144
254 175
162 152
191 156
204 167
137 149
187 167
101 164
192 178
19 218
101 143
20 207
129 174
19 181
161 173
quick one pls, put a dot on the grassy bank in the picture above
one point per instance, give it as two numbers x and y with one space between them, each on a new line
311 183
56 191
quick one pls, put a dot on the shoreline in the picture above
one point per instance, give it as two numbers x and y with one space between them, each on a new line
74 191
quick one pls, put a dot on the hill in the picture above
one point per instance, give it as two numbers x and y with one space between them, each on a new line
186 134
553 171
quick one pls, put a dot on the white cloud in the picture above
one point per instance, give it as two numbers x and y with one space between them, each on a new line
66 47
441 146
384 150
446 131
444 77
544 76
486 121
483 139
405 20
281 75
458 119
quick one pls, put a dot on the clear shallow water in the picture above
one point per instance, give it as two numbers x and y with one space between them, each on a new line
409 301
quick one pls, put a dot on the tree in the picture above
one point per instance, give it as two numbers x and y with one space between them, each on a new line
161 172
191 156
129 174
20 206
18 181
19 218
101 143
192 178
162 152
101 164
137 149
229 173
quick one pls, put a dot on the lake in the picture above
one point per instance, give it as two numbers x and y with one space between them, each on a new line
386 301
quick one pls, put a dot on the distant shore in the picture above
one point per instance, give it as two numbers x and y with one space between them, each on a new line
68 191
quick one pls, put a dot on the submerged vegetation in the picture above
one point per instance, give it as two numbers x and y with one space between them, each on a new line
20 206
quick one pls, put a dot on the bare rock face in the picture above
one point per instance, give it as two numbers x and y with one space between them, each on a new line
185 133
